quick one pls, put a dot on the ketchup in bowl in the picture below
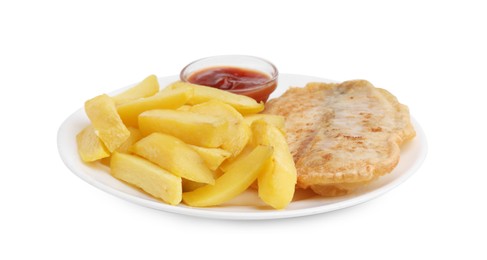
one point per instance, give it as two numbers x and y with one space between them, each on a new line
254 77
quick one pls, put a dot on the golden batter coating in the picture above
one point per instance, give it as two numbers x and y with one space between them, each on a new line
342 135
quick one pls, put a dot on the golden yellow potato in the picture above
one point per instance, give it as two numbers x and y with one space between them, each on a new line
135 136
275 120
190 143
175 156
276 187
243 104
213 157
90 147
231 160
107 123
238 132
147 176
192 185
148 87
192 128
184 108
233 182
166 99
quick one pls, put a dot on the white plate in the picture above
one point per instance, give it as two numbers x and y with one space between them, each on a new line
247 205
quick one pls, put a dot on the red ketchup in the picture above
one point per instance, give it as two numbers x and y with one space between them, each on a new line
251 83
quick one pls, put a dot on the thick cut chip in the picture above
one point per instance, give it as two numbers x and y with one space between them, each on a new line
107 123
233 182
213 157
184 108
166 99
192 185
275 120
148 87
243 104
135 136
192 128
276 186
175 156
147 176
90 147
225 166
238 133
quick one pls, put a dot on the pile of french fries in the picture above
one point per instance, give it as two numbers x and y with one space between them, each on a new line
199 145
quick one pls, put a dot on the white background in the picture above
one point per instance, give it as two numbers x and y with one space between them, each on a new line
56 54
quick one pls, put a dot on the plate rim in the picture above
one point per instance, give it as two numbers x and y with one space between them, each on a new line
239 215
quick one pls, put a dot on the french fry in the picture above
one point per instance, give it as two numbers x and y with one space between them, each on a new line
146 88
238 133
192 185
90 147
243 104
135 136
275 120
147 176
276 187
192 128
213 157
166 99
191 143
233 182
108 126
174 156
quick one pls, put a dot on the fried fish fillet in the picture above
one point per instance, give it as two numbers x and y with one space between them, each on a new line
342 135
